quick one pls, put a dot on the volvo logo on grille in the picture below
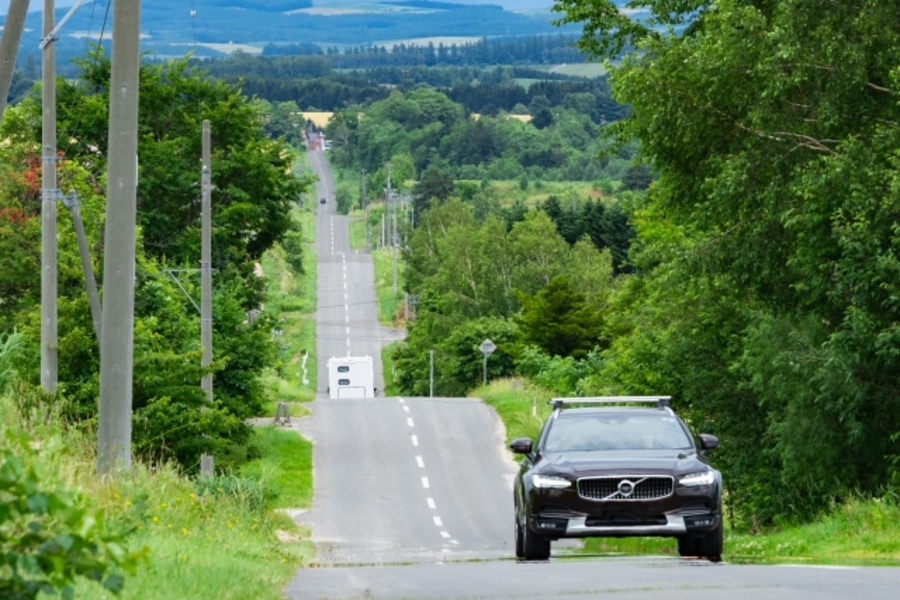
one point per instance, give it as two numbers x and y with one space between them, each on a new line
626 487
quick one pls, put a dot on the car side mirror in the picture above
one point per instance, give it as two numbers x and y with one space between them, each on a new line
708 442
521 446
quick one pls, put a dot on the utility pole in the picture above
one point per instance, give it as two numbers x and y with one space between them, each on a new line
49 195
431 375
365 201
9 46
117 332
394 225
382 230
206 332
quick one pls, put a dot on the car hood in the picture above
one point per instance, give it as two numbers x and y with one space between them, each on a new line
622 462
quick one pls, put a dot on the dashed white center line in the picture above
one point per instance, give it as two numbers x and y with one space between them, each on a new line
348 331
437 521
409 422
444 534
420 462
425 483
415 440
431 504
405 409
347 318
454 542
401 400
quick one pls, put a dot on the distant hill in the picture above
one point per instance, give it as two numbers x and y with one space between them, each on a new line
224 26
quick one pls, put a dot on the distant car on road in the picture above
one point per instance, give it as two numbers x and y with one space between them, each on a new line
321 200
617 470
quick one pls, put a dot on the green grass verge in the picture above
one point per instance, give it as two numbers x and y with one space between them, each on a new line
388 301
859 531
387 368
292 301
285 466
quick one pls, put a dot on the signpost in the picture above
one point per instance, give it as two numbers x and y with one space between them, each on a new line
487 348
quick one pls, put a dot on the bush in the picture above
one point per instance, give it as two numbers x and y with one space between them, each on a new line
48 537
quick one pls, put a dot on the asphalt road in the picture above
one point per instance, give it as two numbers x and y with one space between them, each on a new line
413 496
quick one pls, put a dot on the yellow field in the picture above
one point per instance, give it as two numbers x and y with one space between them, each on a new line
319 119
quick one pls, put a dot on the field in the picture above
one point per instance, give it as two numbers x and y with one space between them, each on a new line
580 69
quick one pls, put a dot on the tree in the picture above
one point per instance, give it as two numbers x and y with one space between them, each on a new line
773 225
560 321
436 183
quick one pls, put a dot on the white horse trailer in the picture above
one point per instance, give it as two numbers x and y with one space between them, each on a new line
351 377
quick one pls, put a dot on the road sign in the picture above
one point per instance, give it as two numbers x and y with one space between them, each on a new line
487 347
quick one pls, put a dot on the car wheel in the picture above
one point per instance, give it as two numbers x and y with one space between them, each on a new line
520 543
712 544
708 545
534 547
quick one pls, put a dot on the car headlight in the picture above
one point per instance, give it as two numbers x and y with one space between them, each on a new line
550 481
699 478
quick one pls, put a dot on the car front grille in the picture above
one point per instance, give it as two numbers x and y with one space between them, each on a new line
617 487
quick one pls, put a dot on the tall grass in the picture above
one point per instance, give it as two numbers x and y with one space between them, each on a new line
201 543
10 343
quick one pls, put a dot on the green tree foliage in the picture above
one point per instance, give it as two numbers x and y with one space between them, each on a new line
768 246
560 321
470 274
254 192
49 538
436 184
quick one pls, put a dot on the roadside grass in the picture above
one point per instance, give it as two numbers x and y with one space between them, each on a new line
292 302
207 540
388 301
860 531
357 228
284 466
387 368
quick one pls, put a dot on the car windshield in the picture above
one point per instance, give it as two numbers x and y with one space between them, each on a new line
616 432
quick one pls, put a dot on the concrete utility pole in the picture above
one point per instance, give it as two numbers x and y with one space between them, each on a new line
117 332
365 201
394 225
206 317
431 374
9 46
49 195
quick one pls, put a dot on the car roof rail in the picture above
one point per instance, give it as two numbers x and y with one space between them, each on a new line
659 401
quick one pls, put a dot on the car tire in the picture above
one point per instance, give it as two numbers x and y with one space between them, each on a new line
534 547
708 545
520 543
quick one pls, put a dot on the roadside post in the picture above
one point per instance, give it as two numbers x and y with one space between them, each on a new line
487 348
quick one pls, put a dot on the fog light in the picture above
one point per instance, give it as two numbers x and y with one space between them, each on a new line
701 522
